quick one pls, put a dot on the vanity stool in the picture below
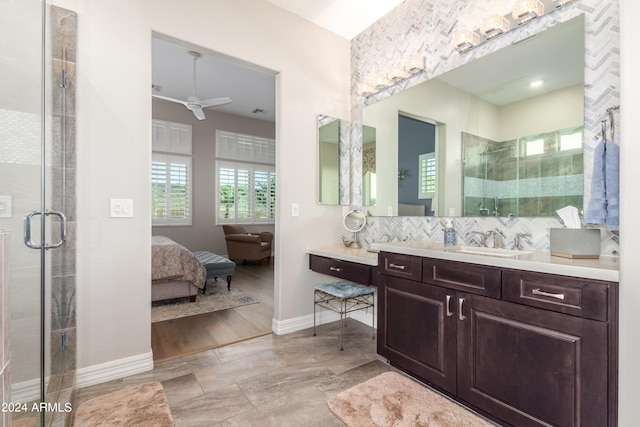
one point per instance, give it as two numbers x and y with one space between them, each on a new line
344 298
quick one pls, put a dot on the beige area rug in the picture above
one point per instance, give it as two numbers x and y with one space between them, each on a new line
217 298
391 399
145 405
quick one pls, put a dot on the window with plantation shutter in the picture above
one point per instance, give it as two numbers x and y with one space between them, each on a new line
171 174
246 179
246 193
427 176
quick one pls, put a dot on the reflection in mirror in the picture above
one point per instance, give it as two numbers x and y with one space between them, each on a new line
529 176
329 160
492 100
368 166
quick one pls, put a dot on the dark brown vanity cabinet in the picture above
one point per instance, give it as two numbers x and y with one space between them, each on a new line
347 270
530 349
417 330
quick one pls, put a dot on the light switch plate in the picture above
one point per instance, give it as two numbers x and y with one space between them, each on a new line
295 209
5 206
121 208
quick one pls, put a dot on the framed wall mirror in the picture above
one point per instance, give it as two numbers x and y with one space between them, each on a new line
329 160
501 135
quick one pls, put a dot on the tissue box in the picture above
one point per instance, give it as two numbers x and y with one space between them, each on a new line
575 242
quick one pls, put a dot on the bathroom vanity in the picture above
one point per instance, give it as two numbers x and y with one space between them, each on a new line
523 337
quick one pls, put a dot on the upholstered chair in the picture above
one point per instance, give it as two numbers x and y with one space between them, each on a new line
247 246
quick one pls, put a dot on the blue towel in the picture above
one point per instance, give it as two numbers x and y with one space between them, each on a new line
603 205
596 212
612 185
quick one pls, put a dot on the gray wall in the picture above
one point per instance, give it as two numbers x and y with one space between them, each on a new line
203 234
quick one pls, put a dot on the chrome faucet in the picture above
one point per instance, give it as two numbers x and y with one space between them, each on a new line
483 237
498 238
517 240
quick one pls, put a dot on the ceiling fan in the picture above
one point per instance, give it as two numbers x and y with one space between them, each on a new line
193 103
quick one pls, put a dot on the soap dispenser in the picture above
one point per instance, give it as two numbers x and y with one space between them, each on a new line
449 234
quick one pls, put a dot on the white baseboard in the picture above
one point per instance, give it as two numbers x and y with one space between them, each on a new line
115 369
288 326
25 391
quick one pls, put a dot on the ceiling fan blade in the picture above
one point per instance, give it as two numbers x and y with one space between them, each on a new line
166 98
215 101
197 111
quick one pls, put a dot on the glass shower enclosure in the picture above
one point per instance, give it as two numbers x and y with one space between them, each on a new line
37 206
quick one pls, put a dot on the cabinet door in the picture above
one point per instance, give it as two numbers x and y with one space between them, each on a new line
532 367
417 329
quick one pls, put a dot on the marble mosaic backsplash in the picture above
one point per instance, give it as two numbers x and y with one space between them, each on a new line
390 229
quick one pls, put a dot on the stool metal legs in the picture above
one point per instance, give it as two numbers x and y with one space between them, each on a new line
343 306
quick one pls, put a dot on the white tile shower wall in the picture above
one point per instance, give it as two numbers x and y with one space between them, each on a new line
425 27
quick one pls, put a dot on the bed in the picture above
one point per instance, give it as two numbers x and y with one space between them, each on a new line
175 271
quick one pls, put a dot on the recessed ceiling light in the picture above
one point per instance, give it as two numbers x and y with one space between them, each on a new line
536 83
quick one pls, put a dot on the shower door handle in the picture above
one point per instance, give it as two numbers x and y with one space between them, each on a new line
27 230
63 229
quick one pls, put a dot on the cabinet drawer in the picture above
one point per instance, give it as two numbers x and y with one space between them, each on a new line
405 266
471 278
579 297
354 272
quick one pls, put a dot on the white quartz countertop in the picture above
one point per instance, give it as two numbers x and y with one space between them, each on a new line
361 256
603 268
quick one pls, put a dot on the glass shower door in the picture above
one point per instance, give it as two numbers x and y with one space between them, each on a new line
33 195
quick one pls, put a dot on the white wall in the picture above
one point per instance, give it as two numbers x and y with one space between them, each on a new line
629 394
114 150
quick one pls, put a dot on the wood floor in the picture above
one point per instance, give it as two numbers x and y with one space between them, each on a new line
175 338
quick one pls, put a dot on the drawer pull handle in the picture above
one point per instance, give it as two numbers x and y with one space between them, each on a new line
397 266
338 269
537 291
449 312
460 303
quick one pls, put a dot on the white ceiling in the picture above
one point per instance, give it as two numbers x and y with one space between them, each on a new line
347 18
248 86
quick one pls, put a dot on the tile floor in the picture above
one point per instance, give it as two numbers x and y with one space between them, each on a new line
267 381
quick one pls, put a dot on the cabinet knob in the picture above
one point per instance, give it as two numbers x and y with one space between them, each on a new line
397 266
449 312
335 269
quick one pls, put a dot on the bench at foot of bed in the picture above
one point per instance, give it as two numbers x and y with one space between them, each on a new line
216 266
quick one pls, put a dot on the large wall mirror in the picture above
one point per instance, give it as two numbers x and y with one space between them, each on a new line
329 160
499 136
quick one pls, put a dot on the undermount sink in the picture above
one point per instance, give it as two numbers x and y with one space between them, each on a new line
497 252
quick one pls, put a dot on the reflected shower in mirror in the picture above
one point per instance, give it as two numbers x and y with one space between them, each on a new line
528 94
530 176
